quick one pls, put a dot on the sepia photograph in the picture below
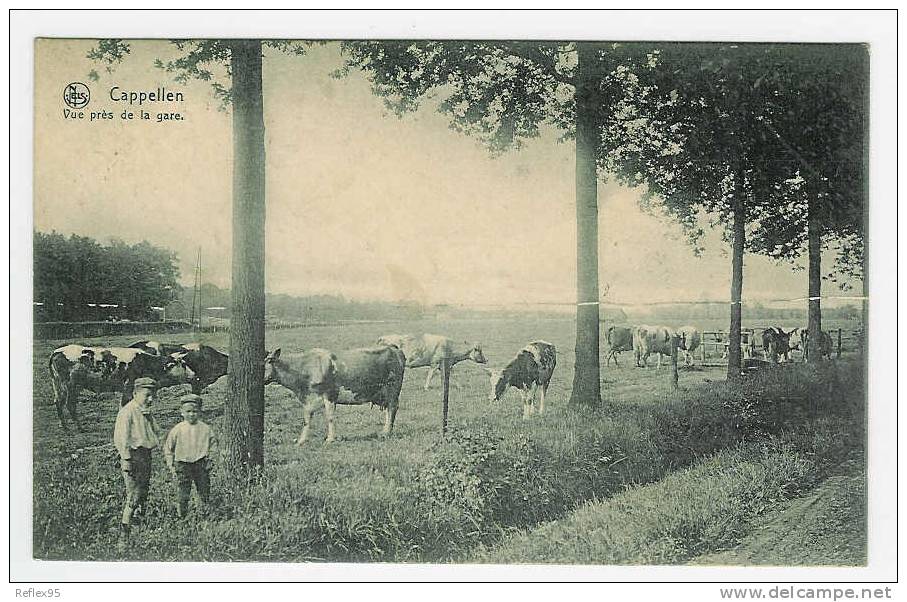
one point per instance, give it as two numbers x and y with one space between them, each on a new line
450 300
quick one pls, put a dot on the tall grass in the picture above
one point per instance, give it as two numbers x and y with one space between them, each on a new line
421 499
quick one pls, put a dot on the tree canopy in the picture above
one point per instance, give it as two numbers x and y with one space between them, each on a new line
81 274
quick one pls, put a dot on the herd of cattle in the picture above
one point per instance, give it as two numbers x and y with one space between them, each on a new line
317 376
643 341
367 375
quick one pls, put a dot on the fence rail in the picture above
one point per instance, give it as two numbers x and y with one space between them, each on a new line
714 344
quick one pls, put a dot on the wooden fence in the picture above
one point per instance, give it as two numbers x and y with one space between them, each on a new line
713 346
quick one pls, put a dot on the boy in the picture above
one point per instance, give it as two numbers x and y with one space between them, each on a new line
187 450
135 434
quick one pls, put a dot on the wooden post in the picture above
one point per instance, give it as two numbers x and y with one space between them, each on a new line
445 373
675 342
839 344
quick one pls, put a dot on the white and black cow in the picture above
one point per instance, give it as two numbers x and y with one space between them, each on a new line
431 350
100 369
689 339
653 339
207 363
352 377
529 372
826 345
777 344
620 338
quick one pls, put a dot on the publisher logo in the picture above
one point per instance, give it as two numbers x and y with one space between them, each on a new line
76 95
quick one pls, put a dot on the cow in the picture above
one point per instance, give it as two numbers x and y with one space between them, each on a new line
352 377
158 348
826 345
620 338
431 350
689 339
206 363
777 344
530 372
372 375
76 367
652 339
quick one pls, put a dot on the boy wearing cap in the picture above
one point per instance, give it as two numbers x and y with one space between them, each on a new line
187 451
135 434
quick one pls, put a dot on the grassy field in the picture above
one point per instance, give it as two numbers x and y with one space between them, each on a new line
408 498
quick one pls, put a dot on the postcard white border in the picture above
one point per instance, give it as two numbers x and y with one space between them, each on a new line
874 27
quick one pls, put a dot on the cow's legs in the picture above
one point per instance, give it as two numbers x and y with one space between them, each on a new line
61 395
390 414
533 394
431 372
329 418
308 410
542 390
71 399
526 403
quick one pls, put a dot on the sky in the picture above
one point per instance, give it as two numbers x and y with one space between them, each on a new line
360 203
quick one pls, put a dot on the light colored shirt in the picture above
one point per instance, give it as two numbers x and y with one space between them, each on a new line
188 442
135 427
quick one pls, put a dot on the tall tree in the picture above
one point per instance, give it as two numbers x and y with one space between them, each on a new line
241 62
685 129
502 93
700 120
817 112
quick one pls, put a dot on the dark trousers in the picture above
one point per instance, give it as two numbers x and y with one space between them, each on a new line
186 474
137 480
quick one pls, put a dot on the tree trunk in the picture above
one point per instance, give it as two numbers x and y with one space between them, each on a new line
586 375
244 412
739 231
814 342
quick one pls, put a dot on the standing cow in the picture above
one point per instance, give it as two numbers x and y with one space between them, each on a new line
207 363
777 344
431 350
652 339
689 339
620 338
352 377
99 369
826 345
530 372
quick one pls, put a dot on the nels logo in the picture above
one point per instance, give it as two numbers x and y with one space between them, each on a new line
76 95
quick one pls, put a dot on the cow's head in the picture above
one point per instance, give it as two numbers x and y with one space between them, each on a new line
270 371
476 354
497 382
176 370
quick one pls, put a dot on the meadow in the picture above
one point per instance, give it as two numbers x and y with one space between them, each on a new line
415 497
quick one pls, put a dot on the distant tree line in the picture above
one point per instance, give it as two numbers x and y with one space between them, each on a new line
754 312
77 279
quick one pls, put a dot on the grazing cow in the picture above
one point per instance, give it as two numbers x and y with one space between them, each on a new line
432 349
158 348
620 338
689 340
777 344
530 372
826 345
652 339
76 367
312 377
207 363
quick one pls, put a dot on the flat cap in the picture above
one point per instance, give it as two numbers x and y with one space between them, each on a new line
145 383
191 398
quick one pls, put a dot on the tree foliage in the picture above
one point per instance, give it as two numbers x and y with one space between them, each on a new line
81 274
